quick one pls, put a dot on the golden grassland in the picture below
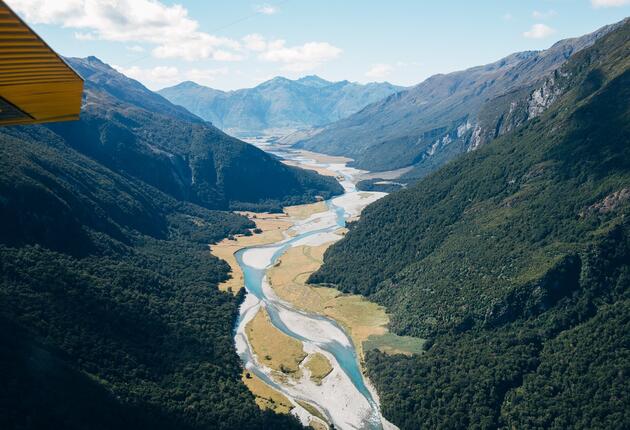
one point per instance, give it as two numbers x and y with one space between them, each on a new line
316 425
304 211
273 348
321 170
319 366
273 225
320 158
266 397
323 158
358 316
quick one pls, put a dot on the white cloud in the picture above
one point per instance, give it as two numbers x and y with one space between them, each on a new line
200 46
156 75
84 36
297 58
539 31
169 28
544 15
266 9
135 48
163 76
379 71
609 3
507 17
255 42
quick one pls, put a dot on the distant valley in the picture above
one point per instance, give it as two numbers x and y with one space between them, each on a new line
316 254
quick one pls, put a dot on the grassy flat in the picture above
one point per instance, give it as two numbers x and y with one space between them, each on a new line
319 367
321 170
266 397
356 314
392 344
312 410
323 158
304 211
273 348
272 226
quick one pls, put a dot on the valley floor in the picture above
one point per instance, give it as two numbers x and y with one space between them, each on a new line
289 362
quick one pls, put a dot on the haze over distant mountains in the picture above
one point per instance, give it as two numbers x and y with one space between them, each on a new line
277 105
449 114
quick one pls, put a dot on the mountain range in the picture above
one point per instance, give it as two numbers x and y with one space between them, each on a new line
110 313
449 114
507 252
513 262
279 105
129 128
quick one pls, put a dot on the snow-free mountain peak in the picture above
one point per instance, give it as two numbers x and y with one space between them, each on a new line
279 104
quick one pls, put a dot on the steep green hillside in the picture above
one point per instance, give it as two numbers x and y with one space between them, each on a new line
109 312
278 104
130 129
514 262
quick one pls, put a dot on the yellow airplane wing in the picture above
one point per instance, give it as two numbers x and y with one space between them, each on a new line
36 84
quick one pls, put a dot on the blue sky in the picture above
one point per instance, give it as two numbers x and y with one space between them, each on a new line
233 44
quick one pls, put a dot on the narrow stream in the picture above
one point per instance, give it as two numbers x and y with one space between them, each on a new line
344 397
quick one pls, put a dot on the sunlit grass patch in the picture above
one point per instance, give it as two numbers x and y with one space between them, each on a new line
319 366
392 344
266 397
304 211
273 348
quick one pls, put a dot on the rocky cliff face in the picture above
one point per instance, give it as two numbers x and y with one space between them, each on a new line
507 112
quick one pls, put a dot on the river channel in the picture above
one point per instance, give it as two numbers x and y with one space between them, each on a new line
345 397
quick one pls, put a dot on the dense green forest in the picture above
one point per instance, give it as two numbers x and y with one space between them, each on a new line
109 312
513 261
109 309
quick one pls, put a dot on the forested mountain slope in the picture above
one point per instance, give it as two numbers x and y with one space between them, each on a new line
110 316
447 115
130 129
514 261
279 104
108 302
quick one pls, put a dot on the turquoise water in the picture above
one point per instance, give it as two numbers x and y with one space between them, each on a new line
345 355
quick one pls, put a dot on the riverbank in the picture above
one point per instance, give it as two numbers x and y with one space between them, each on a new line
270 228
317 162
358 316
303 345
